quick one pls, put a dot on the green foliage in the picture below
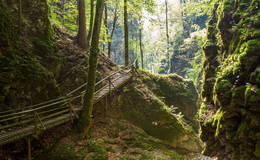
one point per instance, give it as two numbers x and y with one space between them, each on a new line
125 89
199 7
203 108
64 13
216 121
99 151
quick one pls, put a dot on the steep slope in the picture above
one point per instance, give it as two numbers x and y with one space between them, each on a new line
230 114
38 61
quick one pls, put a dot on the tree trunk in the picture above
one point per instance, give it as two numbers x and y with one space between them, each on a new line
86 113
106 24
167 36
90 23
82 24
141 48
63 12
112 32
20 17
126 33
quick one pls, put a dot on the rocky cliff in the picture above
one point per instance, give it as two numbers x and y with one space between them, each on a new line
230 112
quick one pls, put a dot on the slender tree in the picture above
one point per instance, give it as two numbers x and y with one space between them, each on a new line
90 31
106 25
20 17
112 32
167 36
126 32
141 47
82 24
63 11
85 117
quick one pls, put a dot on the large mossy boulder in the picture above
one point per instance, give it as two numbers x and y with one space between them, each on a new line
230 111
174 91
141 106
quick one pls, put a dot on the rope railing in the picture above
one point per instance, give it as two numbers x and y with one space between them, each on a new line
36 114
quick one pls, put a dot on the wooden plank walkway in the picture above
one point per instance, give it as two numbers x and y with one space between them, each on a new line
10 135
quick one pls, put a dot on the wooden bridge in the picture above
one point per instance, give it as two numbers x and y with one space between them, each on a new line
31 120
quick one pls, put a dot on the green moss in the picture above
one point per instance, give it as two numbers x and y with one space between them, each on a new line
203 108
8 36
242 129
222 91
60 152
257 150
238 96
256 33
253 45
228 5
98 151
252 94
146 114
174 91
216 121
237 33
255 77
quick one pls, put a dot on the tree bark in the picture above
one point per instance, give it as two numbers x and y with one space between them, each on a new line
86 113
82 24
126 32
90 31
141 47
167 36
106 24
112 32
20 17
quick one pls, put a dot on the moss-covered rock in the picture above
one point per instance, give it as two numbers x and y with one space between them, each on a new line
174 91
231 123
24 79
140 105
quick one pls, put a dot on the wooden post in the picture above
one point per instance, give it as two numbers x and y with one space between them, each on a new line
35 124
106 104
109 85
71 114
132 70
29 148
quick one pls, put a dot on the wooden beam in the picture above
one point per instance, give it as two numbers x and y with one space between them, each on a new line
29 148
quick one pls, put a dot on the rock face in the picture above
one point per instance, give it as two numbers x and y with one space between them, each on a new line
25 42
230 113
145 105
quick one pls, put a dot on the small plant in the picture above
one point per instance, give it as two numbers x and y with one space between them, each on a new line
125 89
203 108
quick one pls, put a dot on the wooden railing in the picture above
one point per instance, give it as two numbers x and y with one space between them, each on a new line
18 123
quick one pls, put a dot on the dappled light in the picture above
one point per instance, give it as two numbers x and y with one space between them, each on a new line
130 80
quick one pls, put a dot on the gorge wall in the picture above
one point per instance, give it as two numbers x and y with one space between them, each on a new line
230 112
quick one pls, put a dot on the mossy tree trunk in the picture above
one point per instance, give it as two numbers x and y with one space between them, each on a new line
126 32
86 113
82 24
90 31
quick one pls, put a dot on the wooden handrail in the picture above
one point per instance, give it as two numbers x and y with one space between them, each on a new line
55 108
